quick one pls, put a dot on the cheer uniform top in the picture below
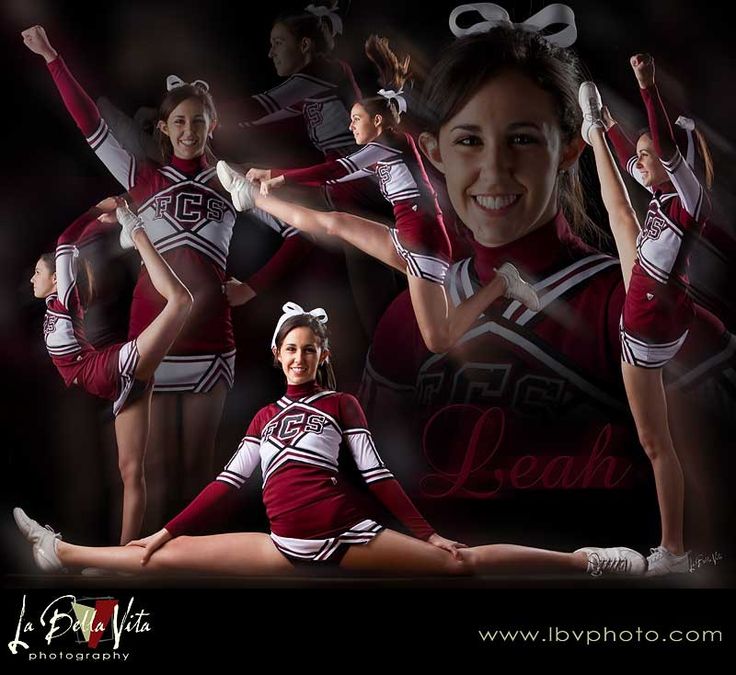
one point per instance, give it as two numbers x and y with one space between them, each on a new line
419 236
108 373
322 93
658 311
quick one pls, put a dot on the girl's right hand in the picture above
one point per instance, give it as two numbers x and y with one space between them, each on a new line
151 543
258 175
37 41
643 67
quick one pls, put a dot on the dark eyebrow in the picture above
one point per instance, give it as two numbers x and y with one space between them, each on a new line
476 128
466 127
517 125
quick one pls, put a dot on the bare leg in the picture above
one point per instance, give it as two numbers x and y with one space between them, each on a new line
131 431
621 215
648 403
236 553
162 460
500 558
442 324
156 340
201 414
369 236
394 552
132 424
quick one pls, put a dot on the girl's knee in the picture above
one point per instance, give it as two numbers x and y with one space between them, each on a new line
131 472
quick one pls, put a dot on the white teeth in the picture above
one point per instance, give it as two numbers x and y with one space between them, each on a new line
495 203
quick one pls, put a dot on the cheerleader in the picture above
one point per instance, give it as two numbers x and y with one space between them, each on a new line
657 311
418 243
120 372
190 224
316 516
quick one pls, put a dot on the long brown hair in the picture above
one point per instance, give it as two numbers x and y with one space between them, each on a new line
393 73
172 99
325 373
468 63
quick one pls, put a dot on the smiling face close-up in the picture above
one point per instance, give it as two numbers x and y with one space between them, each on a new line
289 54
501 155
647 163
188 127
43 280
300 354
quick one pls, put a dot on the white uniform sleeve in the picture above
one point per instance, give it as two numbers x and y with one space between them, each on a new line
688 187
243 462
359 440
362 173
119 162
66 271
285 114
361 445
367 156
294 90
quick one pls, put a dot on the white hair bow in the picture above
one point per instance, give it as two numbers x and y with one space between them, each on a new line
322 11
174 82
494 15
390 94
688 125
292 309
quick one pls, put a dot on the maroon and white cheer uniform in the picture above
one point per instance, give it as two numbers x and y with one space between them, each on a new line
658 312
419 236
108 373
313 512
189 219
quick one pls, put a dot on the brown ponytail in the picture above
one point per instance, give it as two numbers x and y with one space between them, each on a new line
392 74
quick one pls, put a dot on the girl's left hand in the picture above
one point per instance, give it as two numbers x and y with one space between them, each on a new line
643 67
258 175
447 545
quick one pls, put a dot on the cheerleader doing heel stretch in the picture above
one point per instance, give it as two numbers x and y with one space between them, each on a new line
657 310
120 372
315 514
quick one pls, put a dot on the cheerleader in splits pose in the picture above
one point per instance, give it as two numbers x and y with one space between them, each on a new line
657 310
190 224
418 244
315 515
120 372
